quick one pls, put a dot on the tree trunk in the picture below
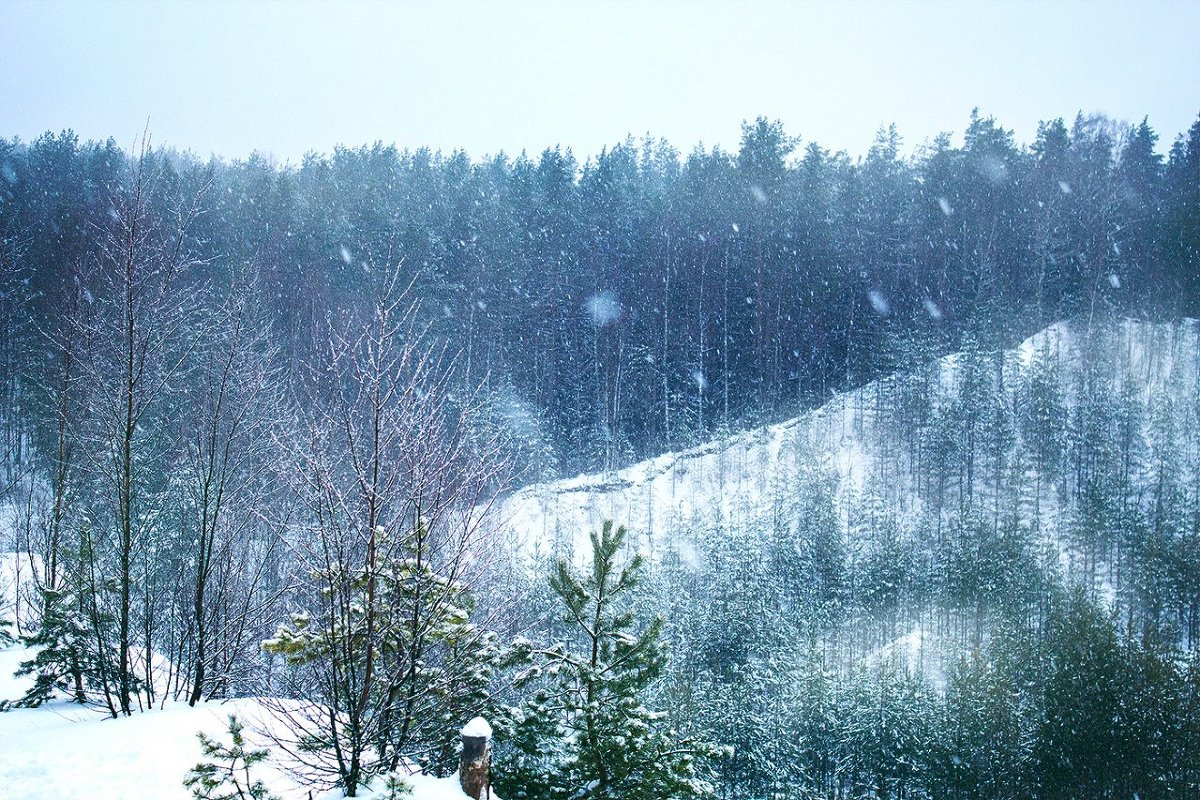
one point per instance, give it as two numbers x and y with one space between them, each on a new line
476 759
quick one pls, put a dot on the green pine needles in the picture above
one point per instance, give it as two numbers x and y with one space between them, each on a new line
390 661
585 732
225 775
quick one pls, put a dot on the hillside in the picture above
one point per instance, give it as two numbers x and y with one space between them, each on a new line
864 443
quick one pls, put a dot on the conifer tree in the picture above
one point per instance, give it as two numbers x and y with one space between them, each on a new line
71 654
61 643
392 662
226 775
586 732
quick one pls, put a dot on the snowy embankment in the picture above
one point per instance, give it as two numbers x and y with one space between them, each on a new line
732 479
62 751
849 445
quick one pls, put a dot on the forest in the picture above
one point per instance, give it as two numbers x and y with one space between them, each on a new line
260 422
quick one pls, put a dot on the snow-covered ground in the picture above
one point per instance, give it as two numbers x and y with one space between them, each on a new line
741 478
738 477
719 481
64 752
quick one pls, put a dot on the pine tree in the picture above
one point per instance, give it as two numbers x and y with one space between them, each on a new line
71 653
586 732
61 642
226 773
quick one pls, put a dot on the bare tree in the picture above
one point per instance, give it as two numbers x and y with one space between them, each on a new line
14 329
394 481
140 354
227 477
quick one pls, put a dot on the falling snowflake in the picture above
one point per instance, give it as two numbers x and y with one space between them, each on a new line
879 302
603 308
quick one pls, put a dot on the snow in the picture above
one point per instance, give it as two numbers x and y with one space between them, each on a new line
424 787
478 727
879 302
12 687
917 650
603 308
62 751
19 572
740 479
731 479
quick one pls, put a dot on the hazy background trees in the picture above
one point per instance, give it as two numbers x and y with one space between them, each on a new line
638 301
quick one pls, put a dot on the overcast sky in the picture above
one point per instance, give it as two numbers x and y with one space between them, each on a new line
289 77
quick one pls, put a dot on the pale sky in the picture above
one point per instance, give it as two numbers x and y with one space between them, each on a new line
288 77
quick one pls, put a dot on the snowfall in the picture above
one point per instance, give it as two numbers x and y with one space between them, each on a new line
62 751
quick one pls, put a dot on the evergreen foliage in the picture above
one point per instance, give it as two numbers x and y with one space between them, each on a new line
586 732
393 662
225 775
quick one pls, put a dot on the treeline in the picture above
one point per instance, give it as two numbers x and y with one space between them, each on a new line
639 302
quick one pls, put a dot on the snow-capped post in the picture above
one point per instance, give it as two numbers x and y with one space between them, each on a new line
476 757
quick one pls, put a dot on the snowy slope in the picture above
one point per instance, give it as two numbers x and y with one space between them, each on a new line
718 480
63 752
746 480
738 478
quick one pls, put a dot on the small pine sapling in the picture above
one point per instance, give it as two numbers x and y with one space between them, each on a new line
62 662
396 787
226 773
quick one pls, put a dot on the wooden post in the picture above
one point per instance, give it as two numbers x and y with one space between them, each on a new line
475 759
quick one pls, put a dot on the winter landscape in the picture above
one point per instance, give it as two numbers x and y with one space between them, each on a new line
766 469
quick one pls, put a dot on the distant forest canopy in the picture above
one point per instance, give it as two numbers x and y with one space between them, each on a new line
642 301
